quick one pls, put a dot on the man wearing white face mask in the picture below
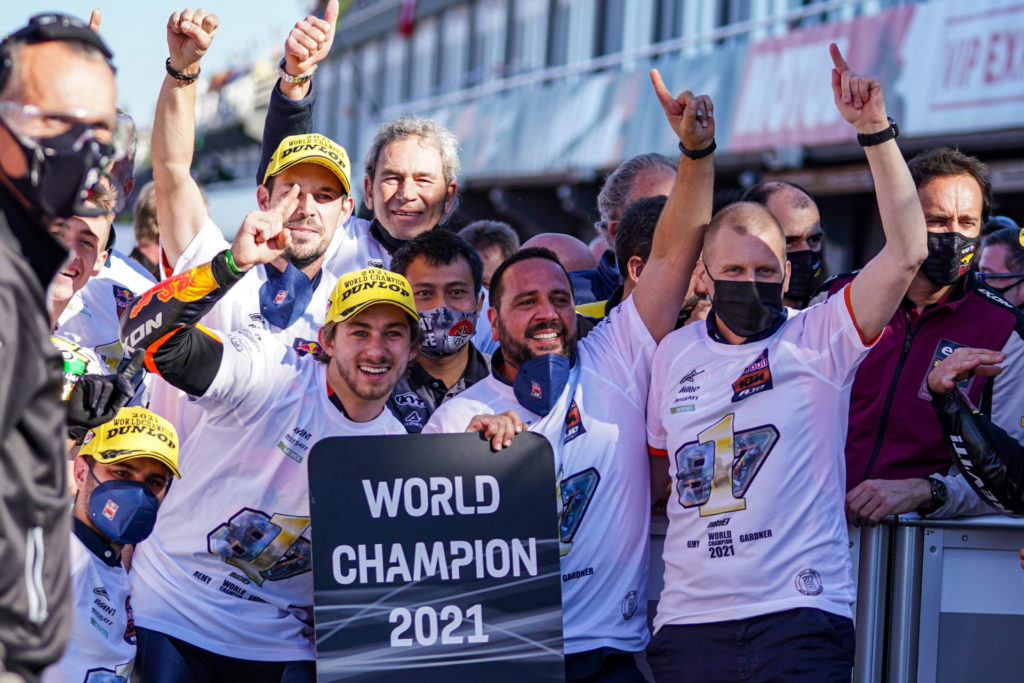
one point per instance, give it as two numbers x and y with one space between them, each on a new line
446 275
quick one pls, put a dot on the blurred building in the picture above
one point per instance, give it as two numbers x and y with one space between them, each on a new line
547 96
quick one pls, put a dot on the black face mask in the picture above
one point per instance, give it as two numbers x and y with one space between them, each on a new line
61 171
804 274
747 307
949 257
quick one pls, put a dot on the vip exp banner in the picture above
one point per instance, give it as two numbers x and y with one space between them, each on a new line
435 559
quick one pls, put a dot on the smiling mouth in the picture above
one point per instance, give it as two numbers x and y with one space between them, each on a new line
373 370
407 213
69 273
546 336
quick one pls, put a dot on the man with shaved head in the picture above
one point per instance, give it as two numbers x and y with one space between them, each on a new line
573 253
747 413
800 220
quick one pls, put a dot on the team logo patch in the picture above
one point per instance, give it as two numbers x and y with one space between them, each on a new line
123 298
629 604
463 328
110 510
281 296
409 398
808 582
535 390
101 591
129 630
756 377
304 347
942 351
573 423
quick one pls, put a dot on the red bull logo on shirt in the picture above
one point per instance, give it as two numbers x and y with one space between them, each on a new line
756 377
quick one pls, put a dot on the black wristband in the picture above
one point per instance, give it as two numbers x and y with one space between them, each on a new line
223 274
177 75
698 153
870 139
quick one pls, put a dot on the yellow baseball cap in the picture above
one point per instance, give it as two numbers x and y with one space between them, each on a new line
133 433
357 291
310 149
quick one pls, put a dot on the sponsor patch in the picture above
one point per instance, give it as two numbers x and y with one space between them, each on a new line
629 604
756 377
808 582
305 347
123 298
675 410
942 351
573 423
281 296
110 510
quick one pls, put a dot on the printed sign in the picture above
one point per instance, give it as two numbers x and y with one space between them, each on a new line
435 559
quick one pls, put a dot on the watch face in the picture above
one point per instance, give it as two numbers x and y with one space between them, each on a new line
939 492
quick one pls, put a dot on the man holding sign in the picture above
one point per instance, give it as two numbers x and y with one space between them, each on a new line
587 398
748 414
224 587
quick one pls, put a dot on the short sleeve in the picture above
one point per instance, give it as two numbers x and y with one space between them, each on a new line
657 438
254 370
829 340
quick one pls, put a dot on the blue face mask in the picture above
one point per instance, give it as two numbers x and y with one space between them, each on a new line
285 296
540 381
123 511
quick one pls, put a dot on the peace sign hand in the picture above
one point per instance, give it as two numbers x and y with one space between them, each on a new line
189 34
262 236
858 98
692 117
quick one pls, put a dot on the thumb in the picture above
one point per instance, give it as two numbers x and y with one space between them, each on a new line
94 19
331 13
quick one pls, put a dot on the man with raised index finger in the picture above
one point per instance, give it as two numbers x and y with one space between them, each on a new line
586 396
747 414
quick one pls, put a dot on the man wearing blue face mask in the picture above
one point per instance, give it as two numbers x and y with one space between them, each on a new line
587 396
897 459
122 472
446 275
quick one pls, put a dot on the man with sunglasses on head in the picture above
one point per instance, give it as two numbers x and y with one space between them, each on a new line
57 133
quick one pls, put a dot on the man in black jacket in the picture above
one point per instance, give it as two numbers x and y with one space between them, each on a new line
57 129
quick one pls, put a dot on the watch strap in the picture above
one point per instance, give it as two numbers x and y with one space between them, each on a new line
871 139
697 153
288 78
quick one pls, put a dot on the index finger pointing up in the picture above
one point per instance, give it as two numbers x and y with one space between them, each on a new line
664 96
837 58
287 204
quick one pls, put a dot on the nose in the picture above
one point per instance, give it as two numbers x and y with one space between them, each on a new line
305 207
406 189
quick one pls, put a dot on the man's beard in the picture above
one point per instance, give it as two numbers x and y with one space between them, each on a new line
518 351
351 377
303 255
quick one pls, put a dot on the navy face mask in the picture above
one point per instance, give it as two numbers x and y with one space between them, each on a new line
285 296
540 382
123 511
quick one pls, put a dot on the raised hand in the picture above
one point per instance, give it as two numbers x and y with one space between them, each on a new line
310 41
189 34
262 237
858 98
962 364
692 117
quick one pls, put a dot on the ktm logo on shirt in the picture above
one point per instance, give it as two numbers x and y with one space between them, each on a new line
573 423
756 377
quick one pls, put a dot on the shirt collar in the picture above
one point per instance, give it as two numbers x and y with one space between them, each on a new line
97 545
713 332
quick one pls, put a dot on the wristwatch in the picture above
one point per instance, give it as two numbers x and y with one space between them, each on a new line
939 497
890 133
288 78
697 153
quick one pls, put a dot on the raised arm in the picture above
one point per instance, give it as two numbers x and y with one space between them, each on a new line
290 111
877 290
678 238
180 208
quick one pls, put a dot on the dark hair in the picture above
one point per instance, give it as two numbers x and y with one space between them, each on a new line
1011 239
439 247
636 231
485 233
942 162
762 192
522 255
144 214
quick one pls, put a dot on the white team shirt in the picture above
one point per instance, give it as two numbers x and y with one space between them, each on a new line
92 314
228 566
102 642
605 489
756 520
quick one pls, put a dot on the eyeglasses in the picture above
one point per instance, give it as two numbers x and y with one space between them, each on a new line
985 277
34 127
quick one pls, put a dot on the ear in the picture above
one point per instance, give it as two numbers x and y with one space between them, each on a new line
613 228
449 202
101 258
492 317
704 284
634 266
326 343
80 473
347 207
367 193
262 197
785 280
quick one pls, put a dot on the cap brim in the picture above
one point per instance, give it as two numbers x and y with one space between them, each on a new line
319 161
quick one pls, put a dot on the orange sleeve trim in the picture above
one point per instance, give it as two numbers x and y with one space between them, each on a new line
849 307
209 333
154 347
656 451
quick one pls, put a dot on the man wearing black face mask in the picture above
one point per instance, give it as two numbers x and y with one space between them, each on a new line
446 275
122 472
57 124
896 456
798 215
745 416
